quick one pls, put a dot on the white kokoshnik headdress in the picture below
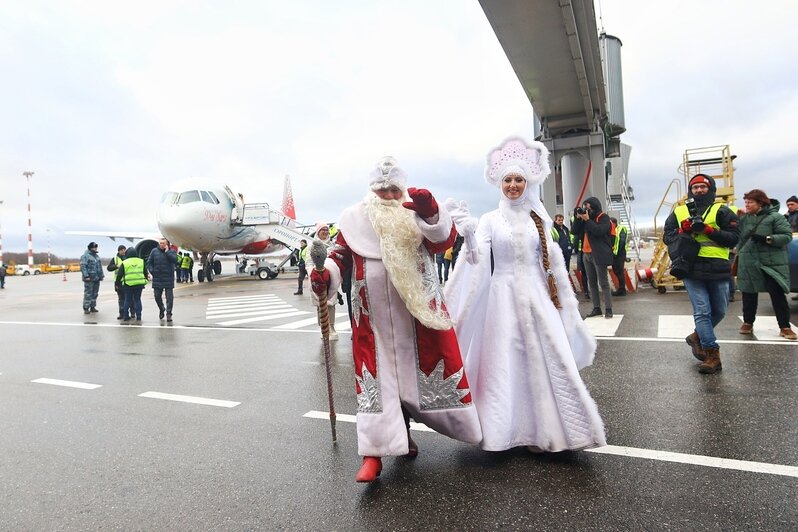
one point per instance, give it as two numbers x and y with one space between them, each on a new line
515 155
387 174
530 160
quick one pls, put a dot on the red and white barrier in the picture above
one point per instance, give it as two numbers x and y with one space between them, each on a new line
646 274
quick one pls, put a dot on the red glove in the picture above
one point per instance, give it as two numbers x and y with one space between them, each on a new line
319 282
707 229
423 202
687 226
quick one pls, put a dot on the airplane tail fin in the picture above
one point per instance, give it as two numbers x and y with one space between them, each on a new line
288 199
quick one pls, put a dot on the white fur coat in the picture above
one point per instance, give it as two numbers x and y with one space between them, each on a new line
522 355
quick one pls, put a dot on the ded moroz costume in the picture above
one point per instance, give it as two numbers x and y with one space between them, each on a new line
406 357
520 331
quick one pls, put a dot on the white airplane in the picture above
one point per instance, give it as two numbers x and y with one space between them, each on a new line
210 219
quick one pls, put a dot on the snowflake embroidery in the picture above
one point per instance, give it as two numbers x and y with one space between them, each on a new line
435 392
357 300
429 281
368 400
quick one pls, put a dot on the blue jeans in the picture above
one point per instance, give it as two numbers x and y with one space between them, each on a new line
709 299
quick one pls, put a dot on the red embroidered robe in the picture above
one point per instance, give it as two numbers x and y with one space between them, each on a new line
398 361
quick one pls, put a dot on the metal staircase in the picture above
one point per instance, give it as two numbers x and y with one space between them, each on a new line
715 161
621 195
275 224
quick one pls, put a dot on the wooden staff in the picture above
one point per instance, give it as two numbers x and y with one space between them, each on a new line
318 252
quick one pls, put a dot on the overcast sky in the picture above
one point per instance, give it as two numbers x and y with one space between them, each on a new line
109 103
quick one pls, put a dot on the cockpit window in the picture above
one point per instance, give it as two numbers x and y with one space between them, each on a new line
169 198
215 199
189 196
207 197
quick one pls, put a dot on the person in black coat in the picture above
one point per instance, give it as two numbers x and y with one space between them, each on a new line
597 255
161 264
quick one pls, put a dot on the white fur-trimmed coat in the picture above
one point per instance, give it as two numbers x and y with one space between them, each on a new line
523 355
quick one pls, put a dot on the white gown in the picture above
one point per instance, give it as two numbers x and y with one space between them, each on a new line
522 355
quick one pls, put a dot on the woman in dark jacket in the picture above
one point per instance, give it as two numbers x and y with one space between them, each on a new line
762 260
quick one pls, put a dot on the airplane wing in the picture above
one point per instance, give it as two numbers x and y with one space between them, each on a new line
130 236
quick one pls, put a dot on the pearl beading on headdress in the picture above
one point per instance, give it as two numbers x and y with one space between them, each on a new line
531 157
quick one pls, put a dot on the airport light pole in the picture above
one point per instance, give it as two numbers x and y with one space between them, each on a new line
1 235
48 248
28 175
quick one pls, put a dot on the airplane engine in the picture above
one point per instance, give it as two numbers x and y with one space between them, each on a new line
144 248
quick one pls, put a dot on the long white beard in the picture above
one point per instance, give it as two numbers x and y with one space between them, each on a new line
400 243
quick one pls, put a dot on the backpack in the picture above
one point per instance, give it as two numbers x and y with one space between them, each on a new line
613 227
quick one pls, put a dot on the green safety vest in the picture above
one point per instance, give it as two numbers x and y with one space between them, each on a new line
709 248
617 243
118 262
185 264
303 254
134 272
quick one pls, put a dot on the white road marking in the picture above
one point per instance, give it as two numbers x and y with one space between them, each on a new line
790 343
349 418
339 325
767 328
671 326
69 384
253 312
634 452
600 326
265 318
190 399
695 459
240 298
239 306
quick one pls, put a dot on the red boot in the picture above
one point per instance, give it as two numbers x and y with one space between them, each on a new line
369 470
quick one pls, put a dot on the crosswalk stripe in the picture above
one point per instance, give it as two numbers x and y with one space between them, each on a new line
245 305
265 312
241 298
212 312
767 328
675 326
634 452
264 318
600 326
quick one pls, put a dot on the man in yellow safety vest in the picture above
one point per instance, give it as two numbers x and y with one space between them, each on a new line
714 227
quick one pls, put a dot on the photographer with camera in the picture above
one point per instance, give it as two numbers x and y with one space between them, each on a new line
595 225
702 232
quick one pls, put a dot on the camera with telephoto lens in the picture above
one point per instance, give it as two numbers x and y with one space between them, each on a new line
581 210
695 219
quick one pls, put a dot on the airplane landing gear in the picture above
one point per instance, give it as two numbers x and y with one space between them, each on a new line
209 266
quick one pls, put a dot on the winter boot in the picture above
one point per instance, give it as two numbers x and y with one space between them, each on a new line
370 469
695 343
711 363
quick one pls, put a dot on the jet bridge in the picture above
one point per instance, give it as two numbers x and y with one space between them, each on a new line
572 78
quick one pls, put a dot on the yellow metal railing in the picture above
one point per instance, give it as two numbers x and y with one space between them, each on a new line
715 161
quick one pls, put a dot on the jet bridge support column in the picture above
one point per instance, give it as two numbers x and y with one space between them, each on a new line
577 157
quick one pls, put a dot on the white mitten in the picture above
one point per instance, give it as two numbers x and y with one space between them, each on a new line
461 216
466 225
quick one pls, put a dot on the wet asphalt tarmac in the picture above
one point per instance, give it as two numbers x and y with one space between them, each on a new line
109 458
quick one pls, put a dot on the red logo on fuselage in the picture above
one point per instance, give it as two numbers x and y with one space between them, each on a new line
215 216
